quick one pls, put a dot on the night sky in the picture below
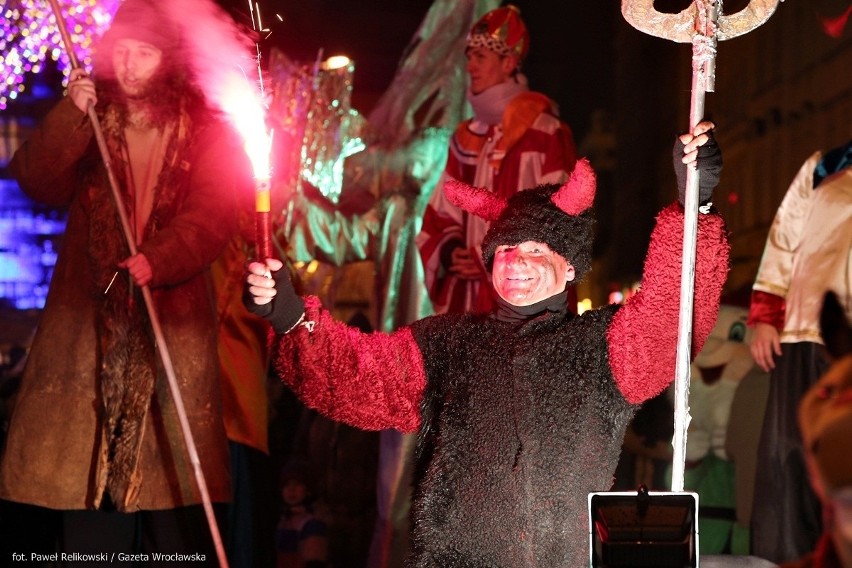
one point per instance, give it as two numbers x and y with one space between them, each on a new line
572 53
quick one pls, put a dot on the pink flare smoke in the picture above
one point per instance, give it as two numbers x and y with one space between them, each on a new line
221 56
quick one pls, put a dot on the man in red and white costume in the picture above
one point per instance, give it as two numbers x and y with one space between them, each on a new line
515 140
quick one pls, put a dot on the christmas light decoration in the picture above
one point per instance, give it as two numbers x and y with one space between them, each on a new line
29 37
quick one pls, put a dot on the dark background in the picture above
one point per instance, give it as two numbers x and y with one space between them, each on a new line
572 55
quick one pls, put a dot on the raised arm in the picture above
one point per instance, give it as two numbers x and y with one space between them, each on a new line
644 333
372 381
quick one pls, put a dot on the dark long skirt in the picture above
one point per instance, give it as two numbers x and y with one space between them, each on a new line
786 518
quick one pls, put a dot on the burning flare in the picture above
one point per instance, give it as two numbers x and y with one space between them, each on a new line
222 58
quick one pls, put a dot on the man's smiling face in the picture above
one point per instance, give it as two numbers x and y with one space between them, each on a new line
529 272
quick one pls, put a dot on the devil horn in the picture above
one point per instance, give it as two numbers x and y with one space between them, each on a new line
476 200
578 193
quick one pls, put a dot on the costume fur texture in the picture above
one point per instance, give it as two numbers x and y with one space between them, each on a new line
517 422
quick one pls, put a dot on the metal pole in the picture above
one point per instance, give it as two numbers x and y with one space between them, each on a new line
703 59
162 348
704 25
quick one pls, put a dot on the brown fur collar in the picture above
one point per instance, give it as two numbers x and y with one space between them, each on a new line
128 363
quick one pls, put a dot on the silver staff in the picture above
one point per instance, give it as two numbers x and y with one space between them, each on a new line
703 25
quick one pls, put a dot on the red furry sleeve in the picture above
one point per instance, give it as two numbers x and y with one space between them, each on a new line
643 336
371 381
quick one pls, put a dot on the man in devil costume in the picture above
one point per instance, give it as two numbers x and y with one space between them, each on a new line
520 413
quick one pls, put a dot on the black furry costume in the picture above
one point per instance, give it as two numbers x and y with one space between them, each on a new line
521 413
517 422
523 425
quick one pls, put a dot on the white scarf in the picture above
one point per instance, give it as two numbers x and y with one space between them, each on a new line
488 106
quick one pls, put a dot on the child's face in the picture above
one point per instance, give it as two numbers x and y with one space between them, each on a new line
294 492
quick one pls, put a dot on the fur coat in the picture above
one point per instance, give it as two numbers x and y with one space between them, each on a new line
95 413
516 423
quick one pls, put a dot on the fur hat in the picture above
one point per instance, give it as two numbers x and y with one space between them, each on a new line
559 216
143 20
502 31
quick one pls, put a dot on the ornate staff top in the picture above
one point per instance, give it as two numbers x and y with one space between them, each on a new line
703 25
682 28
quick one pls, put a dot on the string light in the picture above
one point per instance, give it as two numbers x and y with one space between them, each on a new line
29 36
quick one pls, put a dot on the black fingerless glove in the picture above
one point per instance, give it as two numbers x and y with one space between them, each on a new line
286 308
709 165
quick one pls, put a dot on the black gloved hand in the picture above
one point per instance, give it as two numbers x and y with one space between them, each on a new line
285 309
709 164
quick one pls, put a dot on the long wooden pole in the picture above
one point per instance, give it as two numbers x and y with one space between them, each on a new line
162 347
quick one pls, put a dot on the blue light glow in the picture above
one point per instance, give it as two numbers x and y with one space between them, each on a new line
29 239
